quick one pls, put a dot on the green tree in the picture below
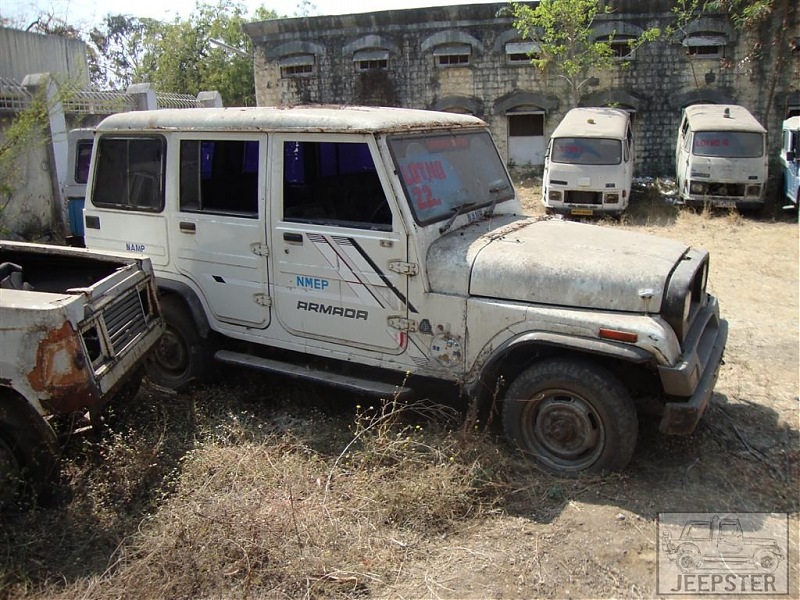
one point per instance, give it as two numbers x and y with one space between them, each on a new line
186 56
117 48
565 45
753 18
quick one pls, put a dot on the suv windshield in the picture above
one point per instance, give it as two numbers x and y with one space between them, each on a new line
441 173
729 144
587 151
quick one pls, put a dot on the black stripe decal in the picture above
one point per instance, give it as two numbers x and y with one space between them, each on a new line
344 258
383 277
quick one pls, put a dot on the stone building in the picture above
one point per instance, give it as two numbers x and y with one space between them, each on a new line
470 59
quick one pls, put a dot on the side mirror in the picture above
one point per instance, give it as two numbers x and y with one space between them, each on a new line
790 155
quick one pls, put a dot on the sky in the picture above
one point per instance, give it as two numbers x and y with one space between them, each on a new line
86 13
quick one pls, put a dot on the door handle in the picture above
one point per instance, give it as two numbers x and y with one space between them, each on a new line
187 227
293 238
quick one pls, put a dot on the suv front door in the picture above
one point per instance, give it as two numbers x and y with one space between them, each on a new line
340 247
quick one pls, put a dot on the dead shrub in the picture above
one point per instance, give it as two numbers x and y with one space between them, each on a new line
253 508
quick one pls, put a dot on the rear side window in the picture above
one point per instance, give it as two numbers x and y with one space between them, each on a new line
130 173
83 156
333 183
220 177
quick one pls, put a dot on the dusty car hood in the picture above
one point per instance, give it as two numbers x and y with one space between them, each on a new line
554 262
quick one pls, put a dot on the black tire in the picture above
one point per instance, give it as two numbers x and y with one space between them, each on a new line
571 416
28 465
182 356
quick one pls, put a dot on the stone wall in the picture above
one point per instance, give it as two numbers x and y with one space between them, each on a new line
656 83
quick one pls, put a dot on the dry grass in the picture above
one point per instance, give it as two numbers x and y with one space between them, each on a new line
264 489
211 495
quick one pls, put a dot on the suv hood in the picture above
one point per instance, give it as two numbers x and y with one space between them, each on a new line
554 262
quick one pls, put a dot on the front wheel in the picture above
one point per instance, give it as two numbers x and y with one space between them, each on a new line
28 467
181 356
571 416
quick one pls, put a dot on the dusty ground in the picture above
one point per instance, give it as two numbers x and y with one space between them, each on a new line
221 494
600 542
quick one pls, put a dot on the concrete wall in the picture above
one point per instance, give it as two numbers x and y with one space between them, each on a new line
37 208
657 83
22 52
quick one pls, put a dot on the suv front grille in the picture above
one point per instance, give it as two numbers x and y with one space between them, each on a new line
125 320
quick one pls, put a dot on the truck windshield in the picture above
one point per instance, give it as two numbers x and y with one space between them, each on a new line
728 144
586 151
441 173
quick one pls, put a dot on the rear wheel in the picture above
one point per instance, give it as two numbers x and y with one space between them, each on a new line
571 416
689 560
182 356
766 560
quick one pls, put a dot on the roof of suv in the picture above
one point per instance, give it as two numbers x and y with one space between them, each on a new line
596 122
348 119
716 117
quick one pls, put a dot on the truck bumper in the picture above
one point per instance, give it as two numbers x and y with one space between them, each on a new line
697 374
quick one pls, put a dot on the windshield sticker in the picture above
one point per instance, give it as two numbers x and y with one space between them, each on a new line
430 183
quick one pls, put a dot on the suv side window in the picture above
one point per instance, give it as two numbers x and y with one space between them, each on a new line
130 173
83 157
333 183
219 177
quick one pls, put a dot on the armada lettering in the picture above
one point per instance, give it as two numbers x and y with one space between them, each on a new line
336 311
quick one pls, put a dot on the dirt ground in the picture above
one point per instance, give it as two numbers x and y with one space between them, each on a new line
601 542
245 491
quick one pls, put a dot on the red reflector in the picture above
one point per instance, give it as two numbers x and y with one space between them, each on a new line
620 336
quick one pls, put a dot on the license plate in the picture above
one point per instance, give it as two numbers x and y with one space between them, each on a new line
723 203
582 212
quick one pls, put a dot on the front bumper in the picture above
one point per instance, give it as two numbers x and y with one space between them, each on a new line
696 375
723 201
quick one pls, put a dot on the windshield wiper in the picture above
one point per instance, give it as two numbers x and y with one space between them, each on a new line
494 189
458 210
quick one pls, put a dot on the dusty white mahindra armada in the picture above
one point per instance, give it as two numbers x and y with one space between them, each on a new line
382 250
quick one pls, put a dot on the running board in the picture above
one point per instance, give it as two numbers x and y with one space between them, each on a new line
352 384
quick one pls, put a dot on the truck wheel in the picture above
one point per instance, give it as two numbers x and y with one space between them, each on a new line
181 357
571 416
766 560
28 468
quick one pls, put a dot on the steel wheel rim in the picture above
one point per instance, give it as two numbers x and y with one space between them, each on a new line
564 430
171 352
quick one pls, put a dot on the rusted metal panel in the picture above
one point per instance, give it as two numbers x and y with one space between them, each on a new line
61 373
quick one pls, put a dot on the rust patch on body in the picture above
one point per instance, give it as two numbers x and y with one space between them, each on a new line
61 372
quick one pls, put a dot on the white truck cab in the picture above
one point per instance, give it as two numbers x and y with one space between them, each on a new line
588 167
790 162
721 157
382 250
